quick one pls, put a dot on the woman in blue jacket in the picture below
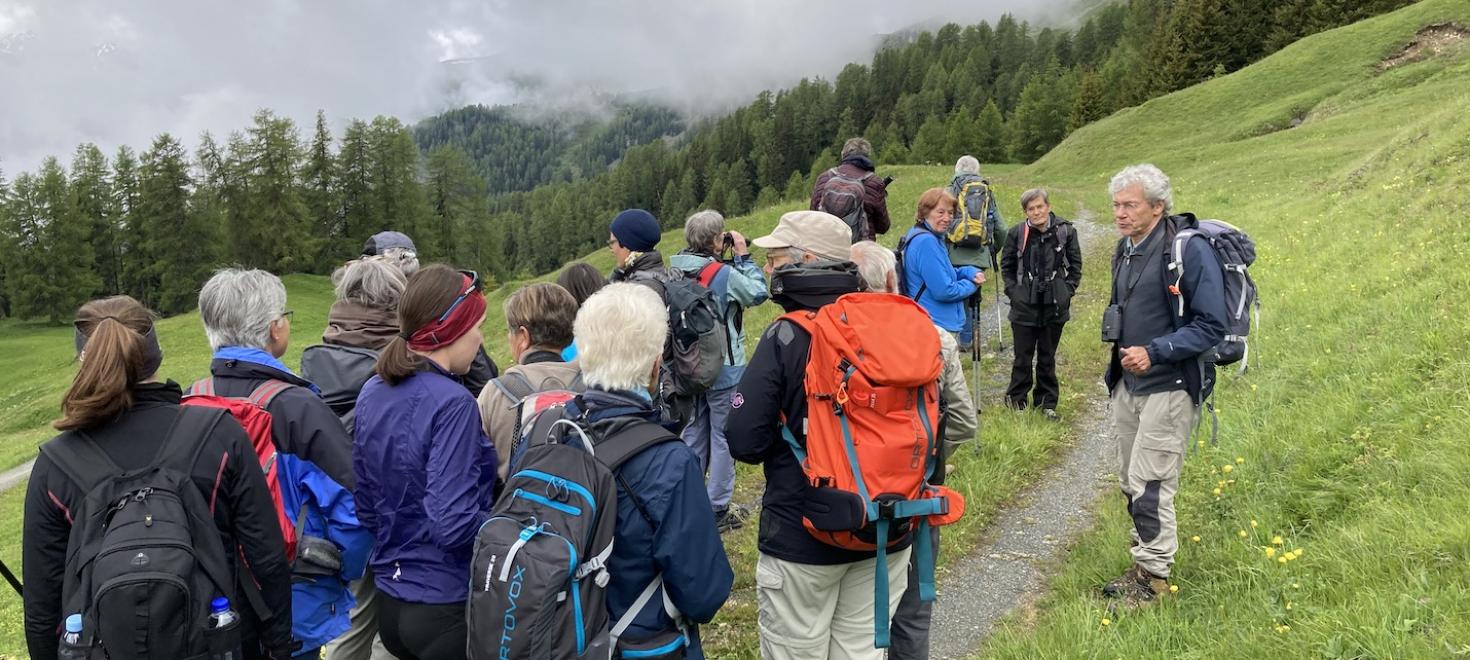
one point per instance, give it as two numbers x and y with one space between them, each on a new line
928 277
425 470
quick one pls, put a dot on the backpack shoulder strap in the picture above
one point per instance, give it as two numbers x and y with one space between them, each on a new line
617 447
806 320
79 457
515 386
202 387
188 434
709 271
266 392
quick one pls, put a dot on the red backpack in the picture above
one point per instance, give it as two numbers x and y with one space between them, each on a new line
872 393
251 412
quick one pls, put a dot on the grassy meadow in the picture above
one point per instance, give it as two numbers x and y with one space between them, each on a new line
1345 440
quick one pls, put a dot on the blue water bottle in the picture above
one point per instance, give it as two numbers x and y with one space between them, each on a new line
72 647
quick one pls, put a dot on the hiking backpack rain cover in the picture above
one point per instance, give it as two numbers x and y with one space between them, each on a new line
843 196
537 579
872 394
145 558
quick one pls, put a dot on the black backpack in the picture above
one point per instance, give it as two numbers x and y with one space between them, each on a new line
339 372
538 578
145 557
694 352
843 197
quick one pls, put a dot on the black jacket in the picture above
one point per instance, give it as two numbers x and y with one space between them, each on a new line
244 515
303 423
1202 324
1041 281
772 391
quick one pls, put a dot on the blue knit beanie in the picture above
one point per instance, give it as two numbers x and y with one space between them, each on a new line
636 229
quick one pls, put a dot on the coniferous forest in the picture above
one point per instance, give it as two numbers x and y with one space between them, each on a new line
512 196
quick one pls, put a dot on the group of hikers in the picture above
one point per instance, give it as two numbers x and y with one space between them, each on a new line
401 495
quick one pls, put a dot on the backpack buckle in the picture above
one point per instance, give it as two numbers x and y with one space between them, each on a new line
887 509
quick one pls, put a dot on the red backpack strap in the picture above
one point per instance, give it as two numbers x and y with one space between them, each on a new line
266 392
708 273
201 387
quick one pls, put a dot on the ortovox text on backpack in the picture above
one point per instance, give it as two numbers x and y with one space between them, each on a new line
538 576
872 394
843 196
145 558
970 230
1237 252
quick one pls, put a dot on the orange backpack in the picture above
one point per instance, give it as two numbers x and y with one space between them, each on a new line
872 393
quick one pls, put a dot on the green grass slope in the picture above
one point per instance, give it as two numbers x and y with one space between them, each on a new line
1346 443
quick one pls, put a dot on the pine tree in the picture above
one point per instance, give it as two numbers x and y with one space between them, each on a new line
930 142
319 194
797 188
165 211
1091 102
7 245
124 207
990 135
354 193
398 200
25 221
276 234
1040 121
91 195
458 204
52 271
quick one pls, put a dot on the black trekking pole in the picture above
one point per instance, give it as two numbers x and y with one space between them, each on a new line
10 577
1000 339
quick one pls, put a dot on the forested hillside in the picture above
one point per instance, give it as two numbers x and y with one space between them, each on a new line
520 148
153 224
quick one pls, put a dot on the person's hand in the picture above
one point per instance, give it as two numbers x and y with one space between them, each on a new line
738 240
1135 359
979 277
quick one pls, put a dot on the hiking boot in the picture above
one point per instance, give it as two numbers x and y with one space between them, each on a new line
1136 587
1051 414
730 518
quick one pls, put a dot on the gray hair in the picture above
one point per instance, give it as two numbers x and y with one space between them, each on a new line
874 263
620 333
238 307
857 147
405 259
1152 180
703 229
967 165
1032 195
370 281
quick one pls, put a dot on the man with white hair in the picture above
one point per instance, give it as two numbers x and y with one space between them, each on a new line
1159 322
910 626
665 525
977 232
248 327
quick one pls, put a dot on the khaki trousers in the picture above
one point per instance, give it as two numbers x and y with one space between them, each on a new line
1152 431
813 612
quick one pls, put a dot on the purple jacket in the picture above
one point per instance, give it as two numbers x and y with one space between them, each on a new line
425 474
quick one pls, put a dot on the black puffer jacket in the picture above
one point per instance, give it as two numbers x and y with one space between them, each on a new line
227 466
1041 278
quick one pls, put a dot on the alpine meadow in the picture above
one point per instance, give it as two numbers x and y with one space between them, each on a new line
1327 520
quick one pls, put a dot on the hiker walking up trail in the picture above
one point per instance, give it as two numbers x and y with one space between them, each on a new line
924 271
853 192
911 618
425 470
1159 322
118 417
1042 266
976 233
737 285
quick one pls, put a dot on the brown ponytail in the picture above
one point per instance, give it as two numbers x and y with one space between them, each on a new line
429 293
115 355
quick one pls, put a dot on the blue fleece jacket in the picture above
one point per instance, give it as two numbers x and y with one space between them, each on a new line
929 278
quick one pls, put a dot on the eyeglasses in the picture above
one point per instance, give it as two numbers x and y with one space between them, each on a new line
472 288
611 242
286 315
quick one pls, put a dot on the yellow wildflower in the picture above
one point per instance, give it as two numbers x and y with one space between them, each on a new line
1239 460
1194 538
1241 533
1174 589
1276 540
1270 552
1216 492
1227 468
1107 622
1281 559
1253 524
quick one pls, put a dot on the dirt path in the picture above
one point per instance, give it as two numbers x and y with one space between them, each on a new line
15 475
1005 572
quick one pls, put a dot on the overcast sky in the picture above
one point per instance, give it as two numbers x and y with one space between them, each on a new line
122 71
